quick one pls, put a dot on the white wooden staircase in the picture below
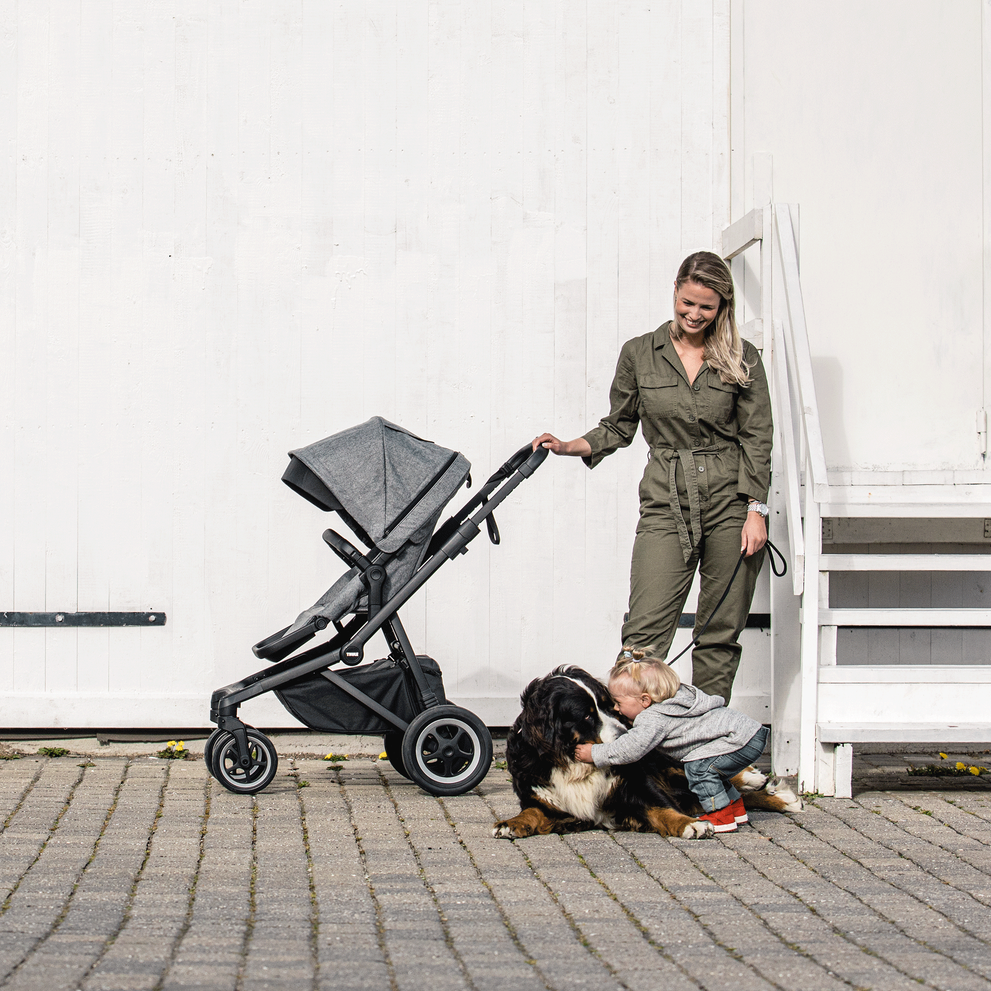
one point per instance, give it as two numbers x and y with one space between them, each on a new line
821 708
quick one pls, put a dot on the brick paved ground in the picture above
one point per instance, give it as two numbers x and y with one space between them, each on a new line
131 873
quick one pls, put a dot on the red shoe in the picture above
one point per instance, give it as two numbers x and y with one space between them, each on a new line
723 820
739 811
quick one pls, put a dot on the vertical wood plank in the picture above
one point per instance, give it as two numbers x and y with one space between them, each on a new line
207 518
61 396
698 143
567 138
721 180
540 93
516 633
411 173
29 356
95 506
282 333
126 561
605 589
9 62
479 342
986 201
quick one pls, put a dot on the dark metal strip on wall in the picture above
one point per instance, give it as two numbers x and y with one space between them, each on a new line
755 621
26 619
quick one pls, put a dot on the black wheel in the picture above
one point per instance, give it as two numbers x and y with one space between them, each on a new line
264 762
394 751
211 742
447 750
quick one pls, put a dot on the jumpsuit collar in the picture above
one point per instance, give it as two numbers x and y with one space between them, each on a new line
664 344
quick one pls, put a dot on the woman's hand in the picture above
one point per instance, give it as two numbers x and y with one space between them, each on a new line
583 752
576 448
754 535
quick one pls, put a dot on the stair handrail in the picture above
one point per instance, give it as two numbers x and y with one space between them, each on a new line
797 351
783 325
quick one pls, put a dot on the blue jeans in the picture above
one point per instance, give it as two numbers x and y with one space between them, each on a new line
709 778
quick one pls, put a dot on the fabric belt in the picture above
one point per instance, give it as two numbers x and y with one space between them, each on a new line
686 457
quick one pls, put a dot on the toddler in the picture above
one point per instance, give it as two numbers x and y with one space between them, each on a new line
712 742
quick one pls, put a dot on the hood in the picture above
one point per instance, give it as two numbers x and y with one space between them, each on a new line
391 484
689 701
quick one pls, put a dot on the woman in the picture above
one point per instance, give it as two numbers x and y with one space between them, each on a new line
700 396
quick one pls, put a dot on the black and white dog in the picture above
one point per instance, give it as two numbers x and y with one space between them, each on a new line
559 794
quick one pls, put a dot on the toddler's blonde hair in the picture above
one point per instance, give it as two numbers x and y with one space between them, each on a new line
647 675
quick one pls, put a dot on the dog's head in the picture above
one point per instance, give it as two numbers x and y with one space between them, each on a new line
563 709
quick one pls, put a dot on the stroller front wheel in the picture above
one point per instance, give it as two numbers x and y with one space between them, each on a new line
263 763
447 750
211 742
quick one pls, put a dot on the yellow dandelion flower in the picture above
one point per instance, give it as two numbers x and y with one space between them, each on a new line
180 746
328 757
171 743
943 756
383 756
961 766
974 770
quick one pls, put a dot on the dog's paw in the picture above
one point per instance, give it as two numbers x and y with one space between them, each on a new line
785 793
750 779
504 831
698 829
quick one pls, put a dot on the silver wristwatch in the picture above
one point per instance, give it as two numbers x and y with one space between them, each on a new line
757 507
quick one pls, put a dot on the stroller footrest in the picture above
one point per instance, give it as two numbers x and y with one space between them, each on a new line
279 645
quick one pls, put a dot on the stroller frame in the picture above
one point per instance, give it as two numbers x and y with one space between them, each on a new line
244 760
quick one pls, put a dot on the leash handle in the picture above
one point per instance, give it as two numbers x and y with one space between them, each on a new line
771 551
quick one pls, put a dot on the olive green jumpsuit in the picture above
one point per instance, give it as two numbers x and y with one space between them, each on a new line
710 451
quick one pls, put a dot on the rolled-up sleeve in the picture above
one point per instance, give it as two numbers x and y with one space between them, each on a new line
755 430
620 427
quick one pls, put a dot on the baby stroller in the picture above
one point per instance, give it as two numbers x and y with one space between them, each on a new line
390 487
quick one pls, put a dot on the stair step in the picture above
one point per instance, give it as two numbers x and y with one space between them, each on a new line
912 732
905 617
905 562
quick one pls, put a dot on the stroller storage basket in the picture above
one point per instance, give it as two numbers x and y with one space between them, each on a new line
390 488
321 705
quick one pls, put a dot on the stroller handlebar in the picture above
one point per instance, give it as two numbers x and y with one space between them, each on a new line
526 461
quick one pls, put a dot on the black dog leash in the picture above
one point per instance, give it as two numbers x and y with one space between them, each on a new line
771 551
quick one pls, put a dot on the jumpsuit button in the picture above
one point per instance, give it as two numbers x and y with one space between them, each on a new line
701 467
691 417
696 387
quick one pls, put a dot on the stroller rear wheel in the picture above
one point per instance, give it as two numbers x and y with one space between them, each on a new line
394 751
447 750
225 767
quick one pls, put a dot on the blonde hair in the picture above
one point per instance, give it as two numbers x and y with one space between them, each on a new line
648 675
723 345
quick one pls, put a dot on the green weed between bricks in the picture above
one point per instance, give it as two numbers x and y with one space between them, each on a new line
174 750
53 752
948 769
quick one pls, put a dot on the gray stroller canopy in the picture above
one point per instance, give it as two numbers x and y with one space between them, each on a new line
381 477
389 486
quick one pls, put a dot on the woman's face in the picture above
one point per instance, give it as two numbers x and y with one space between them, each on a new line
695 306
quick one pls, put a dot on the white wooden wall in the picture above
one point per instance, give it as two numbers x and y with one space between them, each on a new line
231 227
877 117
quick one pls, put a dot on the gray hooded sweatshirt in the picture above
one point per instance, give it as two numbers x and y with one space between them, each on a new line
689 726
